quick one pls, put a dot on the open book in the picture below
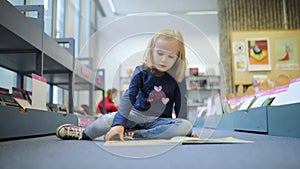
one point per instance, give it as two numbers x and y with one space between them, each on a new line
178 140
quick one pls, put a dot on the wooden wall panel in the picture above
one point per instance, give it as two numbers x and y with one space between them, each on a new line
239 15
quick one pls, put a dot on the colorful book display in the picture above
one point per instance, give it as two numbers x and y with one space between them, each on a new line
6 99
19 97
287 94
194 71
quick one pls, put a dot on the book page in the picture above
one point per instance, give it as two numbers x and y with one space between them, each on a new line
259 101
178 140
292 94
194 140
247 103
39 92
23 103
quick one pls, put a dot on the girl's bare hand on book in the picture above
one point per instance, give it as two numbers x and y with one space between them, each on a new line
195 135
114 131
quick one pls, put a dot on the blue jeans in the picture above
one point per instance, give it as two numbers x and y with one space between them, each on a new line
146 127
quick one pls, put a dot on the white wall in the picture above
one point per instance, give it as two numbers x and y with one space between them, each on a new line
122 38
119 45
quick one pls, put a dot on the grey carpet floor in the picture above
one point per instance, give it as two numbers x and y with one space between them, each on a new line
49 152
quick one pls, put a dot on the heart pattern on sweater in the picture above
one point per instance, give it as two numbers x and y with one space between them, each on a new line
165 100
157 88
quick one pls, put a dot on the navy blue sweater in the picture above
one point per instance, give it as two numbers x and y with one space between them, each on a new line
152 95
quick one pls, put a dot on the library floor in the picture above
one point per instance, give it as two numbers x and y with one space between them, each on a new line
267 152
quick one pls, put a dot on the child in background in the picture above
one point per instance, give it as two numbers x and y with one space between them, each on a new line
110 106
157 88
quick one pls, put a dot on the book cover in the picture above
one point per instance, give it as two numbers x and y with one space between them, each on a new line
194 71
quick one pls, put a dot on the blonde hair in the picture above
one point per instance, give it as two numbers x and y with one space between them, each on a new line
178 69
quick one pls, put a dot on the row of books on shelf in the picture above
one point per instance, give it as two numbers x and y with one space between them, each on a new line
23 100
213 106
34 99
203 84
282 95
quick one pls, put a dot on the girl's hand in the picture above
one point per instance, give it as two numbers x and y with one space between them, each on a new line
195 135
114 131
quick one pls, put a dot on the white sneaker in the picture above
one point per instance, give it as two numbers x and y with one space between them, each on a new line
69 132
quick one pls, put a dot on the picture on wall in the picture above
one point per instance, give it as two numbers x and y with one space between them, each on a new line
259 58
238 47
286 53
240 63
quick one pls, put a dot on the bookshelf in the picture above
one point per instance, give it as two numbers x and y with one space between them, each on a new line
200 88
26 49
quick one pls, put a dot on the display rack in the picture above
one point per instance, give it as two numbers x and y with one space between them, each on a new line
199 89
26 49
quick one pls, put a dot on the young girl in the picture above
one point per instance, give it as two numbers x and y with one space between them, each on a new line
157 88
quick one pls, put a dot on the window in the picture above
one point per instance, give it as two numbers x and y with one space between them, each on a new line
72 21
16 2
8 79
48 9
60 19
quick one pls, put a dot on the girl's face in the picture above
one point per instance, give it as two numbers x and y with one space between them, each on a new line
165 54
114 95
